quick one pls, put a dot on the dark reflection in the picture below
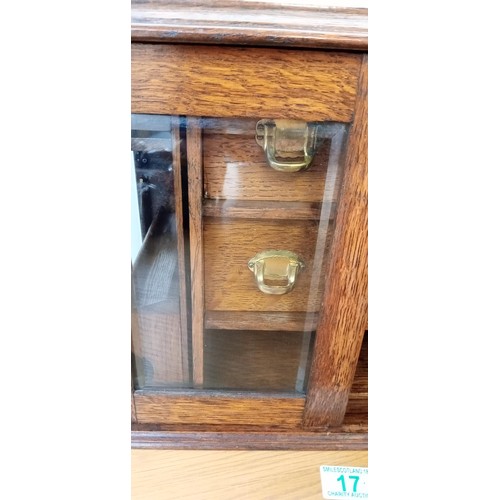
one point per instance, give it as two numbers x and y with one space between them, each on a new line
158 340
155 185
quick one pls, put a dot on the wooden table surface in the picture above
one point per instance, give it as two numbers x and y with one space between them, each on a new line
219 475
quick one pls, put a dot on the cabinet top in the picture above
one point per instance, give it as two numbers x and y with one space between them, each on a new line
285 23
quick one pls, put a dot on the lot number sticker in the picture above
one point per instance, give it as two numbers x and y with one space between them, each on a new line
344 482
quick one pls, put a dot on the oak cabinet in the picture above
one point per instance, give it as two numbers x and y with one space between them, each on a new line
249 260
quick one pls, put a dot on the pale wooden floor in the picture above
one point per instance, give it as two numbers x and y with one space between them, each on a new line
220 475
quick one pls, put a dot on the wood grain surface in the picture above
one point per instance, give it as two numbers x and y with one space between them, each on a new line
195 176
235 168
230 244
246 82
358 395
187 432
236 209
252 360
220 475
266 321
280 410
156 321
179 216
346 437
343 317
360 383
137 372
250 23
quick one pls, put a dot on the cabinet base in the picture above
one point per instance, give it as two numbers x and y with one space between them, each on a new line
356 439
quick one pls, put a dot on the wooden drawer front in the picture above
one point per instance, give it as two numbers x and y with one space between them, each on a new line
230 243
235 167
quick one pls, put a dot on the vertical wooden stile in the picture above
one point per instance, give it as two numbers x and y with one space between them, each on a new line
177 167
195 195
343 317
333 175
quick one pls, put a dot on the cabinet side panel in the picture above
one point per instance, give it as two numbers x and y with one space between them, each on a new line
343 318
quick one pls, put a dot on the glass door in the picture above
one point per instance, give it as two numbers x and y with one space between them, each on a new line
232 224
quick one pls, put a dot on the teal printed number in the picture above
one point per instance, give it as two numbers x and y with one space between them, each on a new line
341 478
354 486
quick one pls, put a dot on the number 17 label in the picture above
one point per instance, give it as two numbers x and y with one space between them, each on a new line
344 482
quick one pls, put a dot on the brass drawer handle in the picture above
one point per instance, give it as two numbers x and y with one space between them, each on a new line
276 270
289 145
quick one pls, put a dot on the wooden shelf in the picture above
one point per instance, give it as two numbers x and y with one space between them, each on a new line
267 321
268 210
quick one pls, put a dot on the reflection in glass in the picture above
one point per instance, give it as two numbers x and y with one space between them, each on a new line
246 337
160 349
